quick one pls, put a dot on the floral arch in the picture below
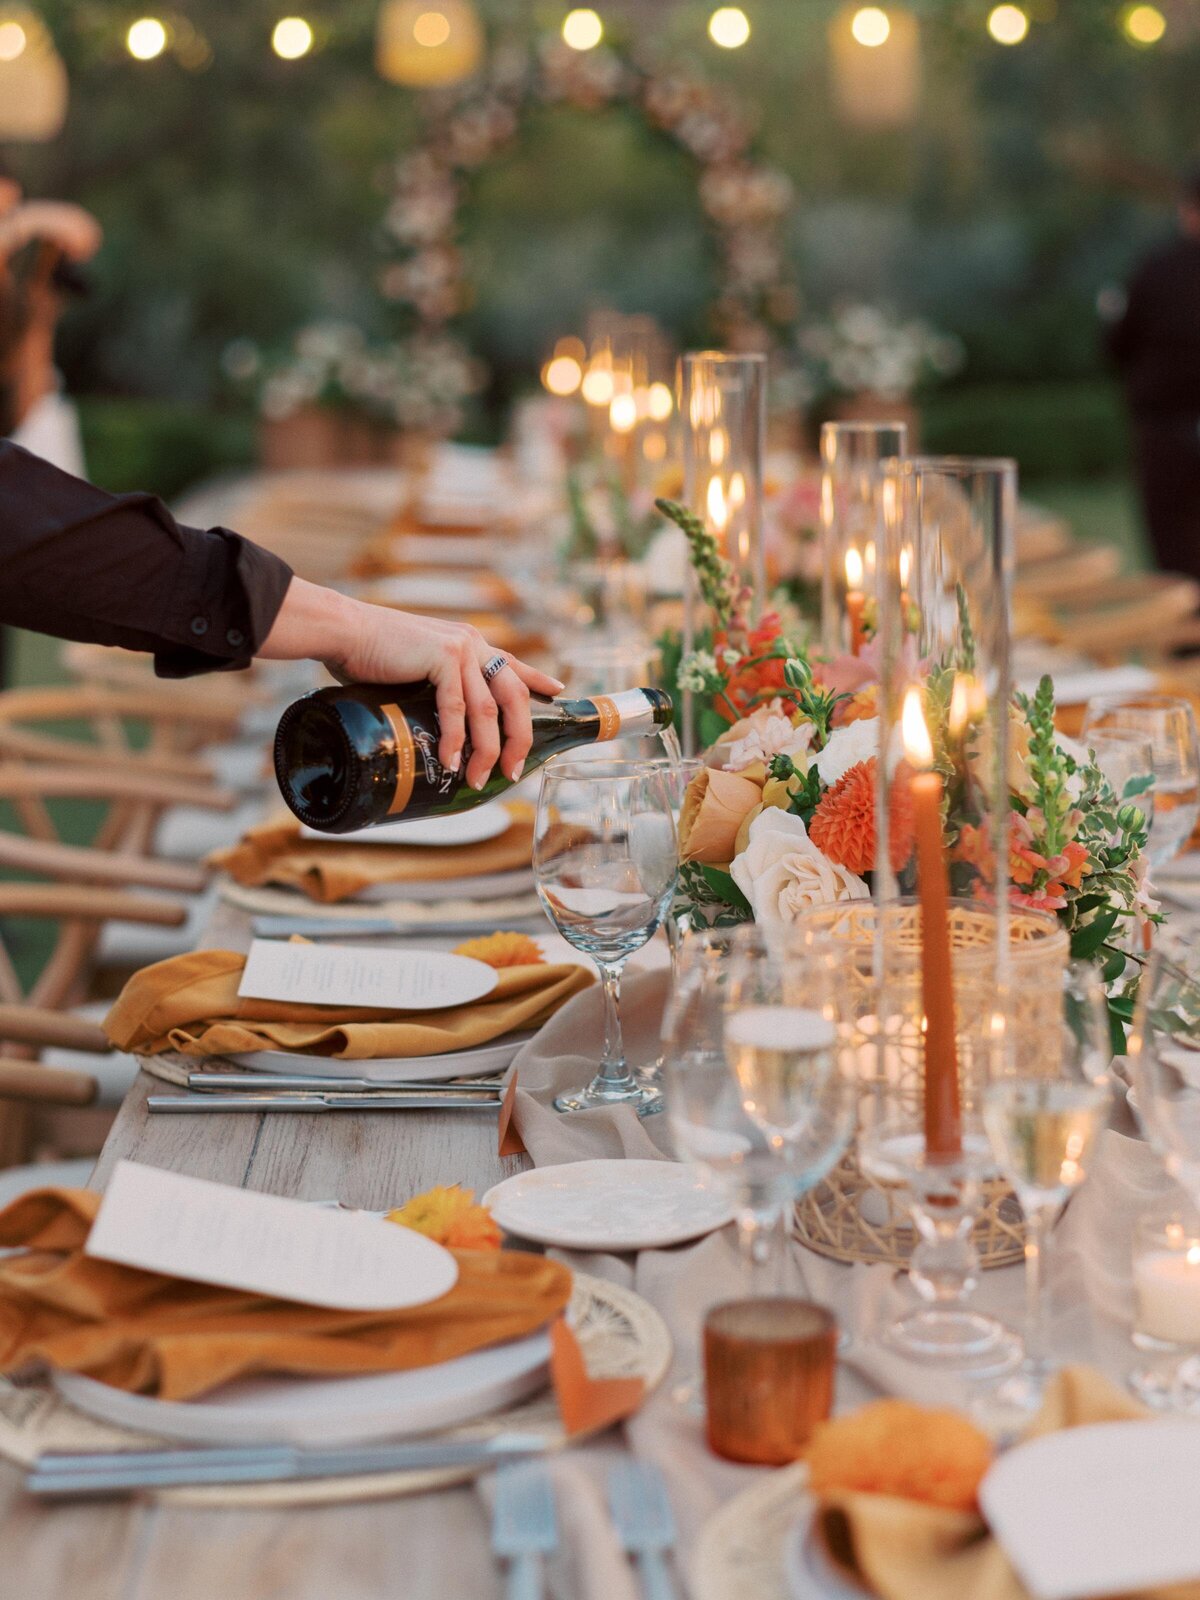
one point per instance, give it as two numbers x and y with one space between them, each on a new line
744 201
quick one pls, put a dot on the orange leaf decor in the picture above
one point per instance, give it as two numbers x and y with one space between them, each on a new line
503 950
449 1216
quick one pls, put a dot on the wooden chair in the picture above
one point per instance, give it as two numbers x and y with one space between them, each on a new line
1146 614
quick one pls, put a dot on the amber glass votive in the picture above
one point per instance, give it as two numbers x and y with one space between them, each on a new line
768 1377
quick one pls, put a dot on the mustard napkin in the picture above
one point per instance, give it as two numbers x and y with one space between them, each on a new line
155 1335
190 1003
902 1550
276 852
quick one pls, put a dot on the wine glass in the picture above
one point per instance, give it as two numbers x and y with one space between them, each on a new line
1043 1118
605 856
770 1119
1170 727
1164 1073
1126 758
677 775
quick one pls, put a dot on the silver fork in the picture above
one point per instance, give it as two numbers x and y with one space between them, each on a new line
645 1524
524 1527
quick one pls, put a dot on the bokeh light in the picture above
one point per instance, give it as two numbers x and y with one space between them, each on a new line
432 29
1143 24
623 413
582 29
12 41
563 375
147 38
660 402
1007 24
292 38
729 26
870 27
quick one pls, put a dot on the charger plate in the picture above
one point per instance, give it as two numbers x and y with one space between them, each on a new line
760 1546
409 914
620 1336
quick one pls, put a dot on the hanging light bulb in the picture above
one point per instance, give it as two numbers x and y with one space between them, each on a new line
1143 25
33 79
729 26
582 29
427 43
292 38
146 39
1008 24
876 59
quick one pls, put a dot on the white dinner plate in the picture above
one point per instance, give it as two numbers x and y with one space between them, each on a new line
480 1062
314 1412
808 1570
439 833
495 886
610 1205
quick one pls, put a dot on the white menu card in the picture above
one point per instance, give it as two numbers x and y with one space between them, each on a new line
239 1239
349 975
1102 1510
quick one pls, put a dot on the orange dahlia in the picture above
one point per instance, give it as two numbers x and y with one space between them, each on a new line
843 825
503 950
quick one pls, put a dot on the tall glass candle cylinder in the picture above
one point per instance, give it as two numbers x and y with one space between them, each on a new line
943 598
852 474
723 412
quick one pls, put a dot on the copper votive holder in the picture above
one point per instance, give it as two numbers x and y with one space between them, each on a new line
768 1376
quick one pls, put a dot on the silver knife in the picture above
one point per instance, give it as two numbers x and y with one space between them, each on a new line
119 1471
269 1083
336 928
292 1100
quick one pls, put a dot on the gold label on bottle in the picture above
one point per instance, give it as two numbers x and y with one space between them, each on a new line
406 758
610 717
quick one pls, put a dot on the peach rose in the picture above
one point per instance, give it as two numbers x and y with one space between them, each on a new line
713 809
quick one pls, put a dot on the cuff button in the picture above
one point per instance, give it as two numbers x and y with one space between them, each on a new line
235 637
199 626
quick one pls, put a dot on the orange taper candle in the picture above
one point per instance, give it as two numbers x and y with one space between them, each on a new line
855 599
943 1117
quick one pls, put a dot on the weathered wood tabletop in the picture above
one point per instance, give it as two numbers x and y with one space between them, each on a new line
414 1548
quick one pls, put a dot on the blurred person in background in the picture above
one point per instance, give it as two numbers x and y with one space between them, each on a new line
1155 343
43 245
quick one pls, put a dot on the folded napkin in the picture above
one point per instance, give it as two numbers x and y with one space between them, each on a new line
276 852
190 1003
902 1550
155 1335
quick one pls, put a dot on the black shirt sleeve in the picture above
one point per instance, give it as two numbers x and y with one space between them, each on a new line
118 569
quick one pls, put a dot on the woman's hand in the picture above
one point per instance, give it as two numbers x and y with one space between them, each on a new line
375 644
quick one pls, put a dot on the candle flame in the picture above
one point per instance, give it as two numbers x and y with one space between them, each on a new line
623 413
718 512
918 746
905 566
718 446
737 492
968 702
869 556
854 569
1193 1256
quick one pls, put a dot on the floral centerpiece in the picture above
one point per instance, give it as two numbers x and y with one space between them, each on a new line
783 816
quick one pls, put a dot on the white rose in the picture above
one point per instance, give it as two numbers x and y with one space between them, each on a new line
771 736
782 873
857 741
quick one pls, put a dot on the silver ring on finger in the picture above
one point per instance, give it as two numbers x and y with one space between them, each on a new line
496 665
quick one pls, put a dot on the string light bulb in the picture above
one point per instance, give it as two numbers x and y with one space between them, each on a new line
871 27
1143 25
146 39
1007 24
562 375
582 29
13 40
729 26
292 38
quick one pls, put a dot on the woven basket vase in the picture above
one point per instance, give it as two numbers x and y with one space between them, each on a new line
848 1216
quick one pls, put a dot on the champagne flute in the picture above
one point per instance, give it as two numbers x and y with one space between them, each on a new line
1043 1119
605 856
1168 723
1164 1072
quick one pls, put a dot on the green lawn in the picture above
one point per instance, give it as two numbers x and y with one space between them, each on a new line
1098 508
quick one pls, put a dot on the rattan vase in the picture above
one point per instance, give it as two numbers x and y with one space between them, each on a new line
848 1216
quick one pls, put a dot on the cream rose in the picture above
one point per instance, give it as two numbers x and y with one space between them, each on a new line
714 807
782 873
857 741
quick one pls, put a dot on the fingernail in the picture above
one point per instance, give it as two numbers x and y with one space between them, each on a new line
478 783
456 761
558 684
517 771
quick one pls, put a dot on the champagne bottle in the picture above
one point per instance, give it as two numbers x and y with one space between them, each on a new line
346 758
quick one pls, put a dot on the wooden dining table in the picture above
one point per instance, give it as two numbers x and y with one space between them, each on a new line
431 1546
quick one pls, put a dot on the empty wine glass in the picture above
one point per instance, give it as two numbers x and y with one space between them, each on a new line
1168 723
1043 1118
1164 1073
605 857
